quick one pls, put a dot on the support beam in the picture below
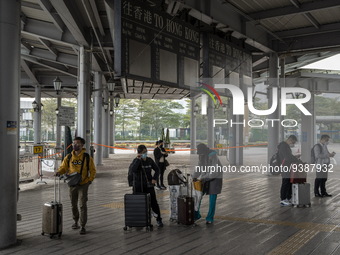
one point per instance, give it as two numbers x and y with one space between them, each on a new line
72 20
273 128
84 97
49 46
9 119
98 106
112 125
193 122
37 116
48 8
29 72
289 10
58 131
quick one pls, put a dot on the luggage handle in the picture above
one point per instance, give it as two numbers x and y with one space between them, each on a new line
55 183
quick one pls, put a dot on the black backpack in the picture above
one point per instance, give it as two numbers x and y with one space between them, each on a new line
275 162
176 177
313 159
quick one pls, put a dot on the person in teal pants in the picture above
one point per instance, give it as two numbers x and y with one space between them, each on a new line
212 181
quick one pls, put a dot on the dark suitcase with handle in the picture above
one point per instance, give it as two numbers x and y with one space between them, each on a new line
137 211
137 208
185 205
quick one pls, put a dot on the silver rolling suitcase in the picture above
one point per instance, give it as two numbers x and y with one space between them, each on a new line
52 218
301 194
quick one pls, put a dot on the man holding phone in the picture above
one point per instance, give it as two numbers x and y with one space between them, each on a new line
322 161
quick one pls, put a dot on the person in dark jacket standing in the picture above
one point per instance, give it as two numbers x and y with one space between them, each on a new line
141 168
287 158
160 154
208 158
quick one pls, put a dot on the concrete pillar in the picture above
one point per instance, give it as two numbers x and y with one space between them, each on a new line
211 129
84 97
105 130
112 125
37 116
98 106
308 130
232 135
58 131
273 126
193 126
9 118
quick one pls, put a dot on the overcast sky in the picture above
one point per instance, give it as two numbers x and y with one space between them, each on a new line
331 63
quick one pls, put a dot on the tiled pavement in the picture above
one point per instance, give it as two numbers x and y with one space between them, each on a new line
249 220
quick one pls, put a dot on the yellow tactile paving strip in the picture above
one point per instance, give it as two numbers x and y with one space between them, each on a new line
294 243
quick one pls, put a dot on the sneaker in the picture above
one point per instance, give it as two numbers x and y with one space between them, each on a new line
158 187
154 214
82 231
285 203
163 187
208 222
75 226
160 224
326 195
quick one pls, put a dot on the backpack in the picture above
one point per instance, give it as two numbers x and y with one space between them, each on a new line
175 177
87 158
275 162
313 159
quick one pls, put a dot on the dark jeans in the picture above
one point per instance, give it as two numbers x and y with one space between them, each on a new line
286 189
320 184
154 203
79 193
161 167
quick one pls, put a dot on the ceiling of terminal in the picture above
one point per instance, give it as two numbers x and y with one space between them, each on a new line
303 31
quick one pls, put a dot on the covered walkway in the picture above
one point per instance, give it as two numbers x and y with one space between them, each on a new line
248 220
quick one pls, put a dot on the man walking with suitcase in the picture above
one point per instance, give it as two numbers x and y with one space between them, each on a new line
80 168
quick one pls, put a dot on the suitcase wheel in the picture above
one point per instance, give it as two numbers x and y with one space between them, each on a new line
59 235
125 228
151 227
42 233
51 236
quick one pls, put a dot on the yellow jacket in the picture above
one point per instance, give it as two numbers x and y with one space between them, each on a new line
75 166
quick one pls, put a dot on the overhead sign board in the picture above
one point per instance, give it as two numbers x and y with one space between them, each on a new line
152 45
66 116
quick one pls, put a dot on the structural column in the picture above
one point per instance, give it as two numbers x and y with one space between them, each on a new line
282 85
58 131
112 125
308 129
98 107
105 126
273 126
9 118
211 129
84 97
37 116
193 126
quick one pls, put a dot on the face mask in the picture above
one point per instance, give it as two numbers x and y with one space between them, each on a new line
76 147
144 155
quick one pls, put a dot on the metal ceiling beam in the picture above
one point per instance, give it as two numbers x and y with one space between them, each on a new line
97 18
48 8
327 28
31 5
320 42
29 72
49 66
289 10
67 12
48 31
49 46
62 58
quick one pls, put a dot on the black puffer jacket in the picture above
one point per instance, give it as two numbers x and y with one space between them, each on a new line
140 172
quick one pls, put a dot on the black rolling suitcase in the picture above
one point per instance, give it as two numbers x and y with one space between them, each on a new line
186 207
137 207
52 218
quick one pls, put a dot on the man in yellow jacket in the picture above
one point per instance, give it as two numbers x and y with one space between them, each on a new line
79 161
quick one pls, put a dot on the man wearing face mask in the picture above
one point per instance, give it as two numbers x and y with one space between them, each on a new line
141 168
79 161
287 158
322 157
